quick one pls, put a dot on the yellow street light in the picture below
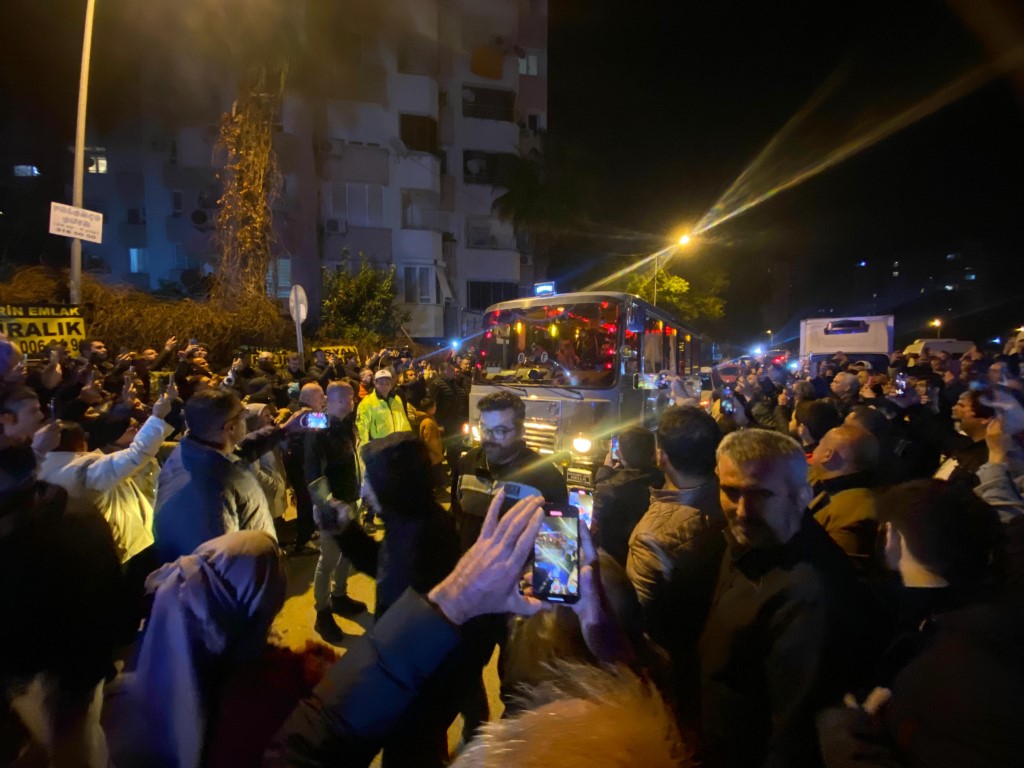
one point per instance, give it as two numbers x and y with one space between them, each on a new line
937 324
684 240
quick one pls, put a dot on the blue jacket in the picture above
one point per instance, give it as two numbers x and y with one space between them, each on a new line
203 494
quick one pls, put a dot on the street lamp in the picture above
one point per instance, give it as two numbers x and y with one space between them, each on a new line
75 281
937 324
771 338
683 241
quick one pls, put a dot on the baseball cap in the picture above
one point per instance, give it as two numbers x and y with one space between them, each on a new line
383 373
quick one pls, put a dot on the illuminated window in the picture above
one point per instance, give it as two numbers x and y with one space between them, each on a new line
26 170
138 259
96 163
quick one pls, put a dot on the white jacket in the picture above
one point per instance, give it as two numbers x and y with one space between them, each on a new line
120 486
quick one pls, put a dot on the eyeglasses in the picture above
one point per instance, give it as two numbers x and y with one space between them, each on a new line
499 433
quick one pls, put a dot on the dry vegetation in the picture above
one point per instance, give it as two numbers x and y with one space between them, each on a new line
123 316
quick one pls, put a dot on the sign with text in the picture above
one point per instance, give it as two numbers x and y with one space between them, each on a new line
36 326
69 221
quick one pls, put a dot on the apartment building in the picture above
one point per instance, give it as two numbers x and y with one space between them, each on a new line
398 163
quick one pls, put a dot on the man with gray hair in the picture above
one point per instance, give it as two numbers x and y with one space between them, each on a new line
790 625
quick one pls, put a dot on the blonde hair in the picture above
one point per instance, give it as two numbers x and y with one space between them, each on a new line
588 717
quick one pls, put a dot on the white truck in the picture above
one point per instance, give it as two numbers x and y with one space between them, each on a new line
859 338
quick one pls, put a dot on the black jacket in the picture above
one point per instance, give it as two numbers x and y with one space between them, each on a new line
331 452
621 496
452 400
790 630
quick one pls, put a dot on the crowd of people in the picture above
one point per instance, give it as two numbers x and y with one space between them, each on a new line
824 568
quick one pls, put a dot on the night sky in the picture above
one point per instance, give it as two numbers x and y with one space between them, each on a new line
667 101
672 99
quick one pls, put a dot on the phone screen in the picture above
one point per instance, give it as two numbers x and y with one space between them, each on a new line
615 449
728 406
901 383
556 555
315 420
584 502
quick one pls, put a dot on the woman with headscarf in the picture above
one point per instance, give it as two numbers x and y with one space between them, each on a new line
269 467
211 614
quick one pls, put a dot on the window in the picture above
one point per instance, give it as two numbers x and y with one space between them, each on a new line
533 122
177 202
529 63
26 170
96 163
136 215
279 272
362 205
488 103
138 260
418 285
481 294
418 132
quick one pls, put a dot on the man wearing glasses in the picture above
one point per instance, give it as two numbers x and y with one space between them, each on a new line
502 460
205 490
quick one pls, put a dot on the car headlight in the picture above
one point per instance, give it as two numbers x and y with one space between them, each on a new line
475 432
581 444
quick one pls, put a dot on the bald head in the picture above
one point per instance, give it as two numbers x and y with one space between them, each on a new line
845 450
312 396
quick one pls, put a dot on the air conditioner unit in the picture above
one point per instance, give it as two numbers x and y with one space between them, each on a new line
336 226
202 220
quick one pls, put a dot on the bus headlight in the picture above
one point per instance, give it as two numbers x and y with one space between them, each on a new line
581 444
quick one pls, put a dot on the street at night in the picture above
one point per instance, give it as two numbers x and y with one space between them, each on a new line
534 383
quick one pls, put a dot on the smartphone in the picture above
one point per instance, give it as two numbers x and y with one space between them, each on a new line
53 408
556 555
315 420
726 392
584 502
728 406
615 449
193 342
900 381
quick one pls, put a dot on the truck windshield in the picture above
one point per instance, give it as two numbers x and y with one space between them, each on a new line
570 345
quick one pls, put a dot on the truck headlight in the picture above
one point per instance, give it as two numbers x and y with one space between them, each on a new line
581 444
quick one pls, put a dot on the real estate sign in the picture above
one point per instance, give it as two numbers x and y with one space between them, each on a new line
36 326
69 221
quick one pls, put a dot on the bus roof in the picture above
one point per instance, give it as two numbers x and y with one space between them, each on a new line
589 296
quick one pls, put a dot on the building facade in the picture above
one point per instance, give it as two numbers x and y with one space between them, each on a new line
397 163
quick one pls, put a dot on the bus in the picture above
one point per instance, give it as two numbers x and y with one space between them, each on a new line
586 365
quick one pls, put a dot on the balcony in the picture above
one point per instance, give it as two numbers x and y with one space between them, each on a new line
416 245
372 242
415 94
418 170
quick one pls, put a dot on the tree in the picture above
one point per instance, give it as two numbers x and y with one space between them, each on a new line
699 298
360 307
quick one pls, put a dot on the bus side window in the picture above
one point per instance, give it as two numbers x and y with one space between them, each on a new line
654 347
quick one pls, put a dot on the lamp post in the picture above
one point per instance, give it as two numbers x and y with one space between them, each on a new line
79 178
771 338
937 324
683 240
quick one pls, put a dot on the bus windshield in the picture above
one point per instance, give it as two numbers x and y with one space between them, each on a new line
572 345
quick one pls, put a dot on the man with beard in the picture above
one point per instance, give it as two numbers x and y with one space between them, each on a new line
502 460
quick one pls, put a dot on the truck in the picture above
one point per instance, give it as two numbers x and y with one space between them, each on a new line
868 338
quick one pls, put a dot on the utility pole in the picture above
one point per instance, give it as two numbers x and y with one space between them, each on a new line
79 182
